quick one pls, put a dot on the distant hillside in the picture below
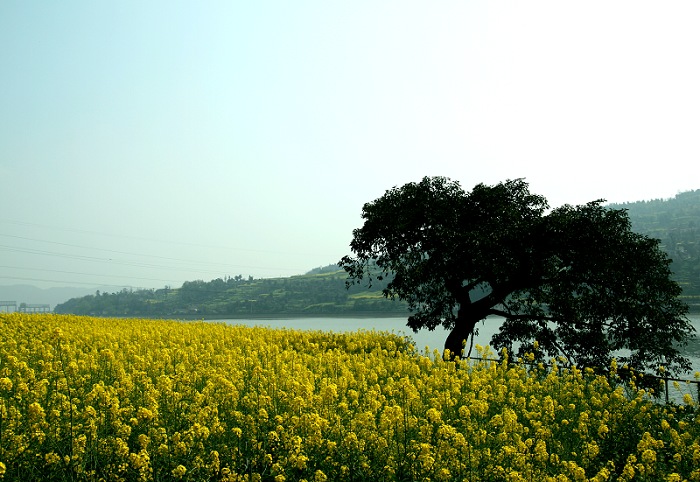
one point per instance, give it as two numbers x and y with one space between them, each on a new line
321 291
32 295
676 222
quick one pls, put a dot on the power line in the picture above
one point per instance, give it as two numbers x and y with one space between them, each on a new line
84 274
199 262
203 267
111 235
132 263
21 278
141 238
103 249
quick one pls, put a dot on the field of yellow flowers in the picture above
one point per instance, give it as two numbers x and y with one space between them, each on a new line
125 399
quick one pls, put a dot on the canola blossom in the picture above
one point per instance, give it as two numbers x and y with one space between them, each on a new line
85 398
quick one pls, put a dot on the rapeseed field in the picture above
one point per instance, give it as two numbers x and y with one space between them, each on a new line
86 398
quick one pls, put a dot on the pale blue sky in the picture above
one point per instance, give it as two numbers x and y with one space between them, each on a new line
151 143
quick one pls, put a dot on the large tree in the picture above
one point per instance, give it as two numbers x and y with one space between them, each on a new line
575 279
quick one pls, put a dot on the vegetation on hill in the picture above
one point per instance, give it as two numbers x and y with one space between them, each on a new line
676 222
321 291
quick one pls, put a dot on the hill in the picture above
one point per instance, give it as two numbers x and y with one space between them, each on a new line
676 222
321 291
32 295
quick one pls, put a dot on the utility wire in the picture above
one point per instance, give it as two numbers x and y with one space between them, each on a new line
131 263
83 274
216 267
105 250
141 238
120 252
20 278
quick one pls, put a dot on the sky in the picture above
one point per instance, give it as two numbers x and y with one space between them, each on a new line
145 144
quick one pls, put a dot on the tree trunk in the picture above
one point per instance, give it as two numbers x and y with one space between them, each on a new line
468 315
463 329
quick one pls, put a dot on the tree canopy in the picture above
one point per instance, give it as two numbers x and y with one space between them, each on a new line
575 279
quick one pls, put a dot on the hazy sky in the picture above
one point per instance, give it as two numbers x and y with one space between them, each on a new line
145 144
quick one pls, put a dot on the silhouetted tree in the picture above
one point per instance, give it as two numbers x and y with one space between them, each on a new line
576 279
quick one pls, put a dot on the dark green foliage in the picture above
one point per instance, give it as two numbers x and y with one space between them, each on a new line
576 278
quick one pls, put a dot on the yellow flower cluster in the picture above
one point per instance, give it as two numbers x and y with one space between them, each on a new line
140 400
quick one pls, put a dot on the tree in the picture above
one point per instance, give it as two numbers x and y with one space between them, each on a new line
575 279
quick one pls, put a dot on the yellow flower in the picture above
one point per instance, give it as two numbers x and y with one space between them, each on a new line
541 450
648 456
433 415
5 384
444 474
294 400
601 476
52 458
179 471
299 462
35 410
144 414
